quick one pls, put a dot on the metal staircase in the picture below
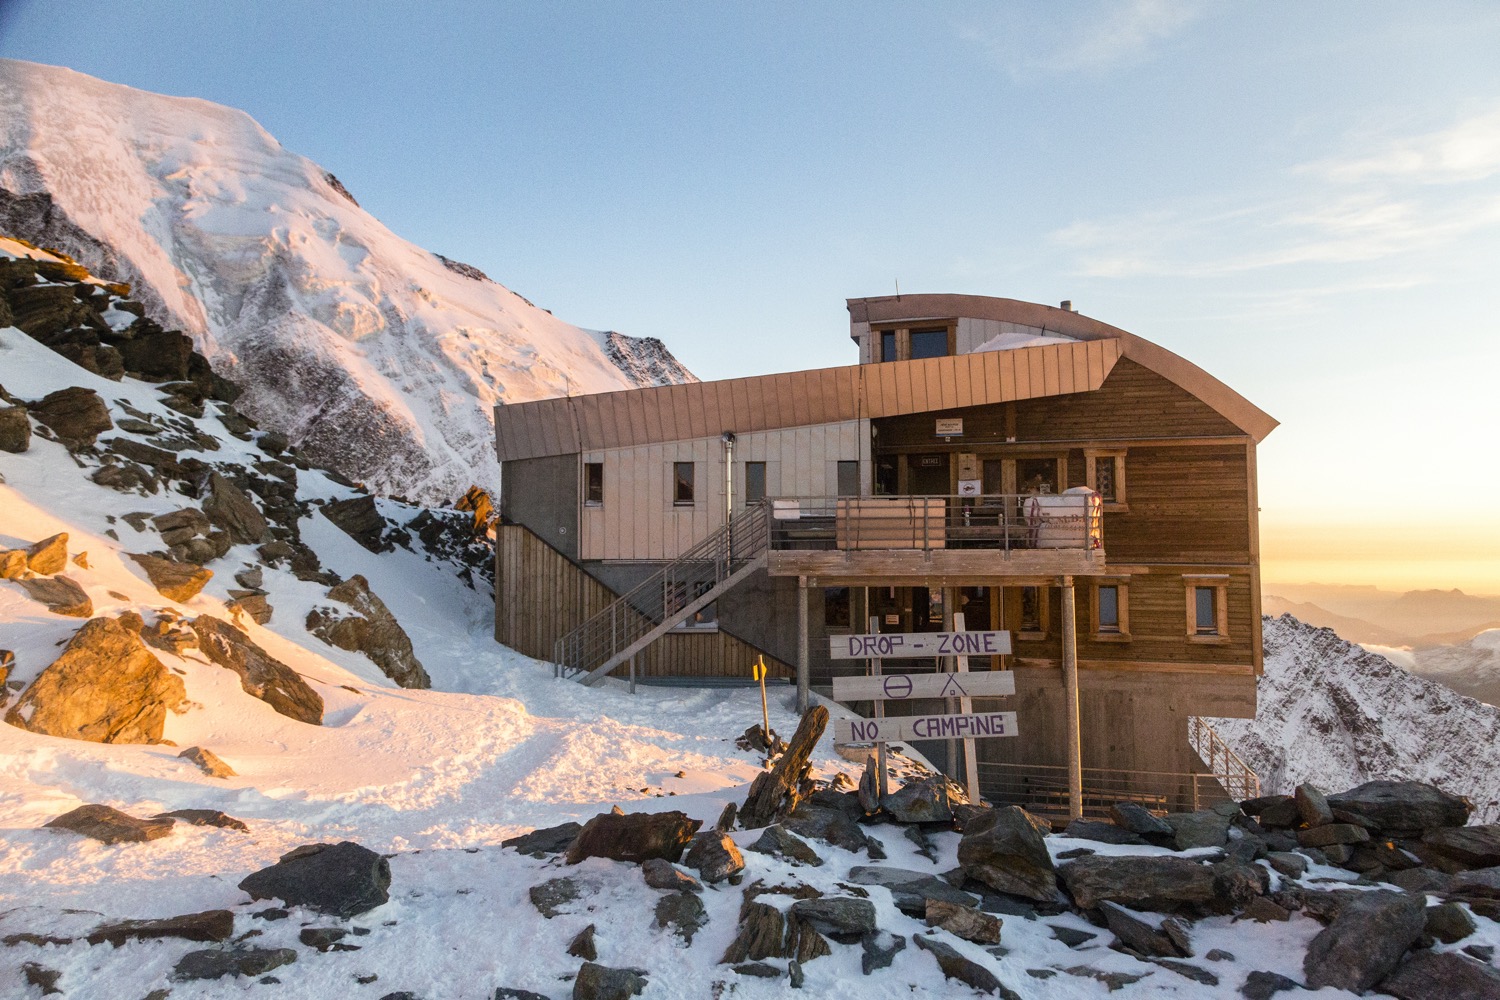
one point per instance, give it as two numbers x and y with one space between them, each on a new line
1237 778
665 599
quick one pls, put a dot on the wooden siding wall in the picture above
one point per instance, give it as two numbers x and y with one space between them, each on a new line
638 520
543 596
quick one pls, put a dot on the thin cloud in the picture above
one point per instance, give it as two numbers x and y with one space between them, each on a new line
1109 36
1466 151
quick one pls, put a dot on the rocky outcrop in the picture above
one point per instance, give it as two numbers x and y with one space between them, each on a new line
1141 883
1443 976
1399 807
775 792
542 842
110 826
176 581
48 556
76 415
715 857
967 971
1365 941
106 687
598 982
261 674
211 925
227 507
15 429
360 519
634 837
342 879
371 630
216 963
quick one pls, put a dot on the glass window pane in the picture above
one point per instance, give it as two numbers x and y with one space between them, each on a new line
593 487
836 607
848 479
1104 477
1036 475
929 343
887 345
1031 609
1109 609
682 476
1207 619
755 482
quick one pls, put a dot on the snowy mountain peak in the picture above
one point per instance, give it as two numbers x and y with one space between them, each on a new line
377 357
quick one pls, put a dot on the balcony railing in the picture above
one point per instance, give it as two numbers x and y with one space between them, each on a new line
1071 521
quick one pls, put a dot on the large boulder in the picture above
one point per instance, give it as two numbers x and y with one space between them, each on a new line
360 519
1365 940
715 857
1005 851
216 963
839 916
780 842
211 925
340 879
48 556
542 842
1448 975
176 581
106 687
1141 883
371 629
965 970
261 674
834 824
776 792
1404 806
227 507
15 429
921 801
599 982
208 762
1470 846
110 826
1205 828
76 415
61 594
911 891
634 837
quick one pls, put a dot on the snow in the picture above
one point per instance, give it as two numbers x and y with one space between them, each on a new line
1489 639
1014 340
363 346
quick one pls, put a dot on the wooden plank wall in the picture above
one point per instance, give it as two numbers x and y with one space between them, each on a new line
543 596
638 519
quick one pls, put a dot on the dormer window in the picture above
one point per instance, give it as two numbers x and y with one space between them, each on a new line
930 343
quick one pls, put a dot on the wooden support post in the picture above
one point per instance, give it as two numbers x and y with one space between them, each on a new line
1070 685
882 783
966 706
950 705
804 666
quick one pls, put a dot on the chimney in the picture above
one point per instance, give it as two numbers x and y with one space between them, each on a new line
1067 306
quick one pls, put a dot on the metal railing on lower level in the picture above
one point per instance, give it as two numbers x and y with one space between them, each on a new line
1043 789
1237 777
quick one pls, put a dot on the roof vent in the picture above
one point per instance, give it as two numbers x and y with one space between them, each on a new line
1067 306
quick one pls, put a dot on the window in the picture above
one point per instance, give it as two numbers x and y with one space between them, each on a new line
848 479
593 484
836 613
1037 475
678 594
887 345
755 482
682 484
1111 611
1207 608
1033 613
929 343
1105 472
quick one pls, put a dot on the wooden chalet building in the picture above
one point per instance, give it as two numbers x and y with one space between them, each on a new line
1039 471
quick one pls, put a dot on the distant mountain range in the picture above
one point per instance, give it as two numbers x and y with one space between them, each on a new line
379 359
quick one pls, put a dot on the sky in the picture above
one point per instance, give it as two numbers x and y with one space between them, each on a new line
1303 199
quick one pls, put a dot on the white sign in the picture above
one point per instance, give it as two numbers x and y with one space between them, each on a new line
902 687
950 427
970 487
925 727
909 645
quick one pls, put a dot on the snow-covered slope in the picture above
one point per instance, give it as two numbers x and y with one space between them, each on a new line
1471 667
1336 715
378 358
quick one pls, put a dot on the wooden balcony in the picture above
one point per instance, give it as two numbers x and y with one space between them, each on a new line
958 540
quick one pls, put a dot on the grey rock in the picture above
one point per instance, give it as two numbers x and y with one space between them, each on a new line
832 826
60 594
965 970
778 841
1142 883
661 874
879 950
227 507
1006 852
211 925
542 842
869 788
109 825
1332 834
715 857
1263 985
501 993
216 963
208 762
1187 970
76 415
326 939
683 912
837 915
759 970
1205 828
1449 975
922 801
15 429
1483 883
910 890
177 581
371 630
205 817
761 933
551 896
1237 884
261 674
963 921
342 879
598 982
1312 805
1138 820
1365 940
1141 935
582 946
1288 863
41 977
777 791
1103 833
1072 936
1470 846
634 837
1404 806
1449 922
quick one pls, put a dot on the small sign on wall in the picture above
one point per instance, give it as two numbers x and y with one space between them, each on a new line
970 487
950 427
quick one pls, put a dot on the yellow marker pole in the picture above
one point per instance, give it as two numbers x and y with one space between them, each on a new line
758 671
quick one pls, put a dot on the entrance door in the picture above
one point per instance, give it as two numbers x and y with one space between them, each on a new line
927 475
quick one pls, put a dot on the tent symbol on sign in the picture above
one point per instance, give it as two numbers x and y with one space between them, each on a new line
953 689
